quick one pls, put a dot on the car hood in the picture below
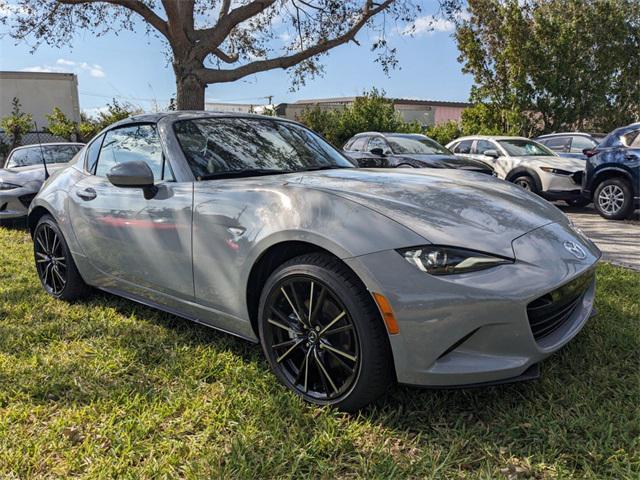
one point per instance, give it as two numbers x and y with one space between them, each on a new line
564 163
447 161
24 175
445 207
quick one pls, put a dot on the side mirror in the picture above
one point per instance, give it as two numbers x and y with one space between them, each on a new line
491 153
377 151
589 152
134 174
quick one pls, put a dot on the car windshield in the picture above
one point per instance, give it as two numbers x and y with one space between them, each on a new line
520 148
25 157
416 144
216 147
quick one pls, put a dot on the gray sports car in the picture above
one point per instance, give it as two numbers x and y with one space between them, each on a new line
23 174
351 279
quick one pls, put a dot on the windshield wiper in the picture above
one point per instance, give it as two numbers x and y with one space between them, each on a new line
324 167
248 172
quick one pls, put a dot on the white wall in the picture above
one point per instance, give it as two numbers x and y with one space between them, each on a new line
39 93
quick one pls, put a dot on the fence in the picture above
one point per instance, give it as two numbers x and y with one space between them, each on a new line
29 138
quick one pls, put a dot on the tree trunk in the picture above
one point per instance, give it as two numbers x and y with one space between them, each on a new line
189 92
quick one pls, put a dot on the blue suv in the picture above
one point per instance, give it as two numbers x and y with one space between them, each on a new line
612 175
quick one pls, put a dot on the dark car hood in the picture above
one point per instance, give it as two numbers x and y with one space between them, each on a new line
448 207
24 175
447 161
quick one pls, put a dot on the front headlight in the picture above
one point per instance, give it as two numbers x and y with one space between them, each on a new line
8 186
438 260
557 171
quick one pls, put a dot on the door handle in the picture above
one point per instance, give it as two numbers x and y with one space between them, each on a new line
87 193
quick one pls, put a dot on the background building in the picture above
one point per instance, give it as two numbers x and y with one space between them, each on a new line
425 112
38 93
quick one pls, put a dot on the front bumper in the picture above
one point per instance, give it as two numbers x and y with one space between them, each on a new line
474 328
562 187
15 203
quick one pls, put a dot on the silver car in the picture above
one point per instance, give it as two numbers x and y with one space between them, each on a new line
528 164
351 279
24 173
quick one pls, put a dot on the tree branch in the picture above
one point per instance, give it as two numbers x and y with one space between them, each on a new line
210 38
208 75
135 6
224 9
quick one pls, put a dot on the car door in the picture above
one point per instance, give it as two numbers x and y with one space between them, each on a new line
140 245
356 150
579 144
561 145
482 146
463 149
373 160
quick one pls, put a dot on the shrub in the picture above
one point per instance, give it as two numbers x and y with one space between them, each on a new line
17 123
443 133
370 112
60 125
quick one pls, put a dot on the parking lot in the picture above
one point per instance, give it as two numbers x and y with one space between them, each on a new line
618 240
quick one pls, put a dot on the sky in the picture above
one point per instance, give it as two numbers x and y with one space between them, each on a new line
133 67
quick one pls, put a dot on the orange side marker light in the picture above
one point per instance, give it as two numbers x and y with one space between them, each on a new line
387 313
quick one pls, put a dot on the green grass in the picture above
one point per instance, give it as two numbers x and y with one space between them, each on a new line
107 388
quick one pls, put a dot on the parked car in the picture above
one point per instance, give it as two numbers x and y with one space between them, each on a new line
349 278
385 150
23 174
528 164
612 179
571 144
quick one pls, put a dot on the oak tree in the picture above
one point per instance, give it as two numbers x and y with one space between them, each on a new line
215 41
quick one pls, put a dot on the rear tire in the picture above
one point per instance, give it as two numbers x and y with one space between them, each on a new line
56 269
526 182
613 199
323 335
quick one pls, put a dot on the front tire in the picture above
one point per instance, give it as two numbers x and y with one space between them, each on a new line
613 199
526 182
56 269
322 334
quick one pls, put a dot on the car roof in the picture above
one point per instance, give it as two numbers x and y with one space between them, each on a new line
563 134
489 137
49 144
387 134
174 116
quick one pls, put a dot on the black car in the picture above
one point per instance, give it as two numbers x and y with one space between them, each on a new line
612 175
571 144
391 150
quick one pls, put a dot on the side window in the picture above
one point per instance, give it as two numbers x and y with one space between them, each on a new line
559 144
137 142
377 142
359 144
92 154
463 147
578 144
630 138
484 145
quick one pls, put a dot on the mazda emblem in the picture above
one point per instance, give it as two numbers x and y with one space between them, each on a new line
575 249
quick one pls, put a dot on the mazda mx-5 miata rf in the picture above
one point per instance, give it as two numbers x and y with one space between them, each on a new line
351 279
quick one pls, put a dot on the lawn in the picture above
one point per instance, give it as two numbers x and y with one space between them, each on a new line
107 388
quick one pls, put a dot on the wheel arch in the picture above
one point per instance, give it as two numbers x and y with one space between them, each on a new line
35 215
611 172
274 256
513 174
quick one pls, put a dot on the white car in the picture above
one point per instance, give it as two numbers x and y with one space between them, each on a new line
528 164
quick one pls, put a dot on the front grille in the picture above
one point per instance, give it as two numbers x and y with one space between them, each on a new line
549 312
26 199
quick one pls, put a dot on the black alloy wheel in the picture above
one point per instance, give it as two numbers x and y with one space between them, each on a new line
322 334
312 338
54 264
51 261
